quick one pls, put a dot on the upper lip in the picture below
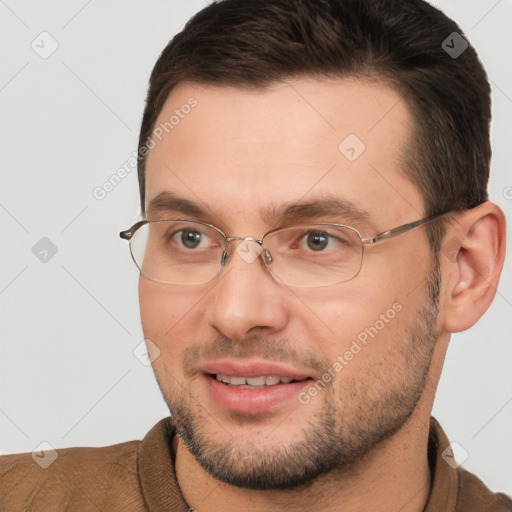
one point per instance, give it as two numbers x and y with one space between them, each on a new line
251 369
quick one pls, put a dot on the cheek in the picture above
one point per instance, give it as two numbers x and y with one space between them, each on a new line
373 308
349 307
169 316
155 306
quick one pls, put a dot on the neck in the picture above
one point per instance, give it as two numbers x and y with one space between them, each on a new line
394 476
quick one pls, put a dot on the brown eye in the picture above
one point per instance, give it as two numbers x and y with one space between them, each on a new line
317 241
190 239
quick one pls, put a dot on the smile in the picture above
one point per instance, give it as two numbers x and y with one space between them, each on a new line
253 382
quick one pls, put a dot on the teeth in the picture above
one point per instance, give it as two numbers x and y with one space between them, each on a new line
253 382
236 381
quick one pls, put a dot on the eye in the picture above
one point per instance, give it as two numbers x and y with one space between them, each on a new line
191 238
319 241
188 238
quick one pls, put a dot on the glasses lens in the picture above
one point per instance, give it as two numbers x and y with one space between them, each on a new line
314 255
177 252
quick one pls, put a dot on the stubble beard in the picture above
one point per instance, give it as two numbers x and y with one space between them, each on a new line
339 434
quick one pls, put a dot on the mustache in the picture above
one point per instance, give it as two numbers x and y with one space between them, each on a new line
260 347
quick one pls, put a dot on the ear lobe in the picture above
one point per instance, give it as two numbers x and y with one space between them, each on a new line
474 256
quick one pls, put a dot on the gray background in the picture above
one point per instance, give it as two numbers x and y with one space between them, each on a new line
70 324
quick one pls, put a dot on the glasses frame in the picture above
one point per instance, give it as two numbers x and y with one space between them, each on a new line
265 255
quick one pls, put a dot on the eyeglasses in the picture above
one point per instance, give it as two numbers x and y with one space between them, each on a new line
191 252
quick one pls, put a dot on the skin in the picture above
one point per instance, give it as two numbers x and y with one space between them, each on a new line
239 151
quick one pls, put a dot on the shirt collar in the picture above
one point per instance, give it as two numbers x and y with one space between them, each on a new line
156 469
443 471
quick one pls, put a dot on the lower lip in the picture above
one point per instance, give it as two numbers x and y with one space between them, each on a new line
252 401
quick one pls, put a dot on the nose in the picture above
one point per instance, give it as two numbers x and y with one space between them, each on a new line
246 300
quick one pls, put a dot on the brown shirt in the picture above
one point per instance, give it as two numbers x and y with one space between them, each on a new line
139 476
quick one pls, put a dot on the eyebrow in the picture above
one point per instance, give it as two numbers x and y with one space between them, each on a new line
327 206
167 202
333 208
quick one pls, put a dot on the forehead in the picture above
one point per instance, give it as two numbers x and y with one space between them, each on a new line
240 152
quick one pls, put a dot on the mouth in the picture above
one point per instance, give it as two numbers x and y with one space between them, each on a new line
253 387
260 382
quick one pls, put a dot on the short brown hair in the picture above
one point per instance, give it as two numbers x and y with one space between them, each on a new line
256 43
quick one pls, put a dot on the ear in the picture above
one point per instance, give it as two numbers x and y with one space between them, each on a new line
474 252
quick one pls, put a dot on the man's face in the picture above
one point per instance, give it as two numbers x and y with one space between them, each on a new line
359 351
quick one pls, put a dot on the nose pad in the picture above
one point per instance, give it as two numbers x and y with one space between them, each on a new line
265 255
224 259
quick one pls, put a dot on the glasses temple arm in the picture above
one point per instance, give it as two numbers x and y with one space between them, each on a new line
128 233
399 230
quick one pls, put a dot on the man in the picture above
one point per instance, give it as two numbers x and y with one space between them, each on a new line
316 225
